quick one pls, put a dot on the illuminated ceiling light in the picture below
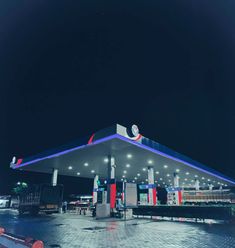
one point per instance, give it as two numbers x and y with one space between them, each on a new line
161 179
218 182
123 176
133 181
124 171
146 180
86 164
129 156
165 166
78 173
226 185
169 180
168 175
127 165
203 178
157 172
192 181
135 178
208 180
177 170
105 181
70 167
163 183
150 161
186 179
106 160
144 169
92 171
204 183
158 185
187 173
121 179
196 175
138 174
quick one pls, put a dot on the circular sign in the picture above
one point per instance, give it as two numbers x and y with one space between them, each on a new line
135 130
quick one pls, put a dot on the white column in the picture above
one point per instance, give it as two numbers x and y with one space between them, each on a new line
210 186
176 180
54 177
197 184
151 191
95 188
111 187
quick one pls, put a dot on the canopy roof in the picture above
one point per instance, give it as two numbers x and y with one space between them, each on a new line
133 154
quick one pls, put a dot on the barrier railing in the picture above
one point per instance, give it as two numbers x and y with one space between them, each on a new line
8 240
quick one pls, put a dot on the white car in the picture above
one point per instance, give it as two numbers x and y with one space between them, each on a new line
4 201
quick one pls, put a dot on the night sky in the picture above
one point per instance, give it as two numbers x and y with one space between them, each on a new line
69 68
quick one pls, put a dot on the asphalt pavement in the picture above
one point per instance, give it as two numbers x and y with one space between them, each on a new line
71 230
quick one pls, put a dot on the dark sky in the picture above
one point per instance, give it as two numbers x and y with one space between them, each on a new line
69 68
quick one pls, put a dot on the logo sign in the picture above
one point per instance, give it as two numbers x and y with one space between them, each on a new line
135 130
147 186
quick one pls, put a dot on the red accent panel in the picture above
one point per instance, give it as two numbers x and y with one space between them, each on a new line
180 197
19 161
138 137
113 195
154 196
91 138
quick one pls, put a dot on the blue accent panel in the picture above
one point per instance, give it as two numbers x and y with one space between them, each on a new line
147 186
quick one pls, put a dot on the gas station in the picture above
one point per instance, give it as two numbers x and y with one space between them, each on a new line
120 155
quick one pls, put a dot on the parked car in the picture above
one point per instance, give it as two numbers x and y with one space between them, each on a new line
5 201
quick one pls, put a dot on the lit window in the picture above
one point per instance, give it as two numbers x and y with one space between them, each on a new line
86 164
92 171
150 161
70 167
165 166
127 165
157 172
129 156
78 173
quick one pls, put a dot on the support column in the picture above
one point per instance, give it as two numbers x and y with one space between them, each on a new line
123 192
197 184
95 189
178 191
111 187
54 177
176 180
210 187
152 193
